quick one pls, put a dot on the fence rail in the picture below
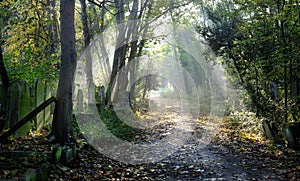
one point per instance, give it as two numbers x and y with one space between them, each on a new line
22 98
27 118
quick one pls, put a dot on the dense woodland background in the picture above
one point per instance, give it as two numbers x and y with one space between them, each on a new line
257 43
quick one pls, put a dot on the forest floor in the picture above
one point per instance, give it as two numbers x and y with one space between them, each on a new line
231 155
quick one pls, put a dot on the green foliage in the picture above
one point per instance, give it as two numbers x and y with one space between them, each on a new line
118 127
29 32
141 89
247 122
258 41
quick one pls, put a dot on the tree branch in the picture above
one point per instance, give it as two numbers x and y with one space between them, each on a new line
167 10
97 4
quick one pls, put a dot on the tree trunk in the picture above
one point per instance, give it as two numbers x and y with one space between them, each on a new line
298 84
87 39
5 83
132 31
119 56
62 120
280 7
4 75
256 91
52 27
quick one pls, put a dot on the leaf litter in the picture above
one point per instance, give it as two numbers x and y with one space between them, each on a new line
232 155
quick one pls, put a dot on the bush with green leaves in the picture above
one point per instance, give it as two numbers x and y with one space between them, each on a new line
247 121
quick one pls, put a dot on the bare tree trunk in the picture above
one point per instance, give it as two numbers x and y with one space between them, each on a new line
3 72
62 120
126 32
52 27
119 56
285 63
5 83
87 39
256 91
102 55
298 84
132 31
4 80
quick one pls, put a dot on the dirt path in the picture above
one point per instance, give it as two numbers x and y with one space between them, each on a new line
213 162
229 156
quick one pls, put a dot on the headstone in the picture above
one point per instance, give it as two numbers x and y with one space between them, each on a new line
56 153
42 173
25 108
13 111
274 91
53 89
268 130
47 111
68 153
289 137
100 97
97 95
30 175
79 101
40 98
91 98
63 154
3 104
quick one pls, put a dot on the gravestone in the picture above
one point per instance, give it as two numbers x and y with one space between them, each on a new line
91 102
291 133
25 108
30 175
102 94
97 95
47 112
39 99
3 104
21 99
2 96
100 97
53 89
268 130
13 110
79 107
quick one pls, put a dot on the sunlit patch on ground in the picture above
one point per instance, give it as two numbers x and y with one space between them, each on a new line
234 154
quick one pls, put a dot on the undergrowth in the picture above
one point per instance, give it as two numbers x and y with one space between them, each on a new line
247 121
118 127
